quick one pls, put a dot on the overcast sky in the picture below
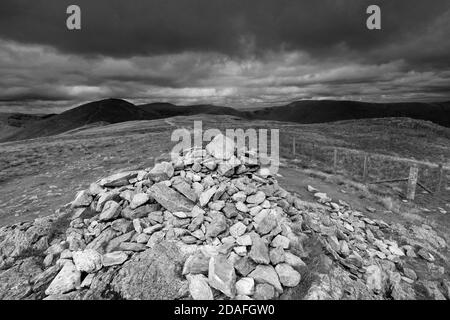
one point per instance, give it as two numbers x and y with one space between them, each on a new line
239 53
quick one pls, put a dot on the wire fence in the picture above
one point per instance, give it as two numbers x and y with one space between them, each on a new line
364 167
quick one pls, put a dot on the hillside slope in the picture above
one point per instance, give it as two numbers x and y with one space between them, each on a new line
309 111
319 111
106 111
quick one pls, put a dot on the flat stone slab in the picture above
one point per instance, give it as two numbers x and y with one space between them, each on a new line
170 199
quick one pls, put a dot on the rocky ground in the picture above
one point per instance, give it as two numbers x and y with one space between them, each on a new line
216 225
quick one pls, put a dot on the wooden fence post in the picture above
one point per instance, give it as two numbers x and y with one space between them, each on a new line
365 168
335 155
293 146
412 181
440 178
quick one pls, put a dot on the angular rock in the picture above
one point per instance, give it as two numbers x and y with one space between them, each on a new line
206 196
266 274
196 263
221 147
115 243
66 280
118 179
257 198
152 274
114 258
138 200
87 260
15 282
423 253
240 206
276 255
221 275
161 171
374 278
83 199
239 196
266 222
245 286
110 211
132 246
217 226
292 260
245 240
230 210
153 229
155 238
238 229
244 266
280 241
122 225
287 275
99 244
44 278
264 291
259 251
169 198
184 188
140 212
199 287
105 197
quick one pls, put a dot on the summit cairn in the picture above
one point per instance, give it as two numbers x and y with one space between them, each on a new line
211 225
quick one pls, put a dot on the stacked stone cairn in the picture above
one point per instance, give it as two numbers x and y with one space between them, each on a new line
238 224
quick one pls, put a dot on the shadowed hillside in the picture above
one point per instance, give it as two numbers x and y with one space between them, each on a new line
104 111
318 111
111 111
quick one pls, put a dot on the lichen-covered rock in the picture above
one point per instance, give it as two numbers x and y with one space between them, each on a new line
67 280
154 274
15 283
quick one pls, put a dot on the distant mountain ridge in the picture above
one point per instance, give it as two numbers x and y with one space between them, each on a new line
318 111
110 111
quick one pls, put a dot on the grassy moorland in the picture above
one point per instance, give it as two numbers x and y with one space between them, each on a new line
39 175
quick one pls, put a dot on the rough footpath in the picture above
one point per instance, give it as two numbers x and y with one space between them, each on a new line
211 225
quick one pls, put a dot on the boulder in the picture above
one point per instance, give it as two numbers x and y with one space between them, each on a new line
15 282
152 275
87 260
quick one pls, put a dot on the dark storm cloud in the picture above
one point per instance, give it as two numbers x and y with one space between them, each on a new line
229 52
234 27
